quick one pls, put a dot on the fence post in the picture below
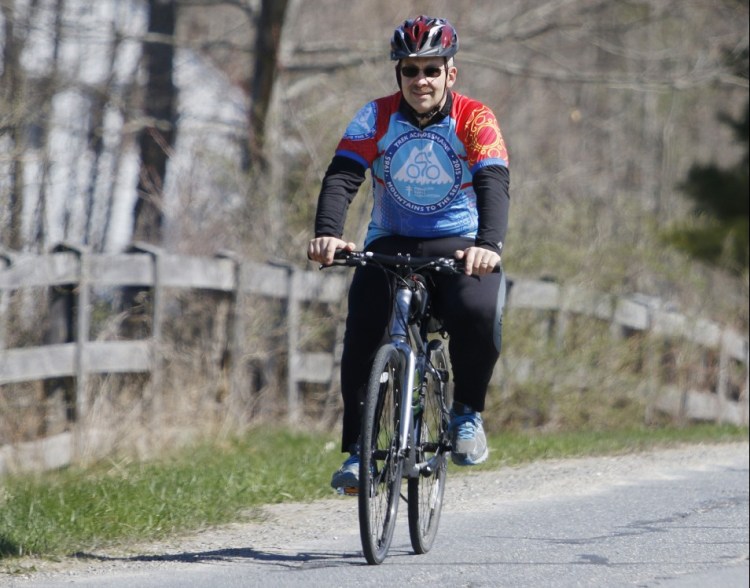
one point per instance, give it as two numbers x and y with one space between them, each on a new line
5 261
722 383
153 397
75 302
292 335
562 322
745 392
81 303
236 336
82 335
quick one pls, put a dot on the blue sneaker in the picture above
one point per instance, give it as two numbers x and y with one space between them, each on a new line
347 476
469 444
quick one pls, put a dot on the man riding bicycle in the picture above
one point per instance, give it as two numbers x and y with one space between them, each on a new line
439 170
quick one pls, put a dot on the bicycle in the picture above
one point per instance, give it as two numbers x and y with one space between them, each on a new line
406 414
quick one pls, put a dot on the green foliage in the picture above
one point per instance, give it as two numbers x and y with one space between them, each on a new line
73 510
516 447
718 233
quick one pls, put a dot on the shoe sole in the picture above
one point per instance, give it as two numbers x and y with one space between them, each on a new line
344 480
466 461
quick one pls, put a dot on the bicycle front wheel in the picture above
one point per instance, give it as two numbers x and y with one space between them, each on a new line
380 465
425 492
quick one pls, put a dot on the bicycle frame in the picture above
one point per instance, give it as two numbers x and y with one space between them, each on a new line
398 331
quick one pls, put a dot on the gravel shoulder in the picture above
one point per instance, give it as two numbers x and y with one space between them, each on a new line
280 526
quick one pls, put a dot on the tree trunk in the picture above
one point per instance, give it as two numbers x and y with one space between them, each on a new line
157 136
268 41
11 82
95 234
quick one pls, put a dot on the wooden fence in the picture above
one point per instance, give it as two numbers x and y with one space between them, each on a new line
158 271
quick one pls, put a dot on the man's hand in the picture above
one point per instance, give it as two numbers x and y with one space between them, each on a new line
322 249
478 261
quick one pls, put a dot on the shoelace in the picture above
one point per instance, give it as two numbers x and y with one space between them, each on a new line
351 460
467 426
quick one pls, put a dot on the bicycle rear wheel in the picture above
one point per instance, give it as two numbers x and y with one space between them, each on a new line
380 466
425 492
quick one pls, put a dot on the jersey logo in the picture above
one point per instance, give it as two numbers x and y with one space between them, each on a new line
363 124
422 172
421 167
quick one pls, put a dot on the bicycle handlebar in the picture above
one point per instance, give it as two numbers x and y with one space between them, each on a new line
398 261
404 261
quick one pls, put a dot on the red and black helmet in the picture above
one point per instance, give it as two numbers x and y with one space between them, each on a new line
424 36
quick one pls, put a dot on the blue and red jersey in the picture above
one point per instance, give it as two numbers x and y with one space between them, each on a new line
423 178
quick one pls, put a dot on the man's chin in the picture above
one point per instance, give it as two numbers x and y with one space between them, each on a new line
422 107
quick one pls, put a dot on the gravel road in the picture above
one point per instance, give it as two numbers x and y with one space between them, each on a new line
285 525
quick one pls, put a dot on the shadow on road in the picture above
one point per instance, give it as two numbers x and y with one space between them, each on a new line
318 559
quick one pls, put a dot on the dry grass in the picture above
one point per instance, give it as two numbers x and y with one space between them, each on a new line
584 377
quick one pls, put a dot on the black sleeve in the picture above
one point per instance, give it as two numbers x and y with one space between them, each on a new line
492 187
340 184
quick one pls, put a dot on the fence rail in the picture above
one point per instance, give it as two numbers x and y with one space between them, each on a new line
150 268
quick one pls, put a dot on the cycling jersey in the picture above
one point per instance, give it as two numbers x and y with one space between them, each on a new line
447 179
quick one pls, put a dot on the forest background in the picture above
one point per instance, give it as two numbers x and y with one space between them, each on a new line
201 126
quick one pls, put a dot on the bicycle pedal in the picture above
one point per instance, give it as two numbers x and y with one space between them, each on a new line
349 491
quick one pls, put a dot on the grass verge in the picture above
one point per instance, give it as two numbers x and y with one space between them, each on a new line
65 512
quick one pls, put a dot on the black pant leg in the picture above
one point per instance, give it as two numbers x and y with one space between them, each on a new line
365 328
472 311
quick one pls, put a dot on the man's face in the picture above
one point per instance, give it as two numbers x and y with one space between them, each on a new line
423 81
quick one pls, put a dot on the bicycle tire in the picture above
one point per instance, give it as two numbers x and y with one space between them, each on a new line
380 465
425 492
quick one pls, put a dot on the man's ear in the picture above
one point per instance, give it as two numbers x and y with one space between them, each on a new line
451 75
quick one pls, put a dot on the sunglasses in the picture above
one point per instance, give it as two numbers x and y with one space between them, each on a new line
412 71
